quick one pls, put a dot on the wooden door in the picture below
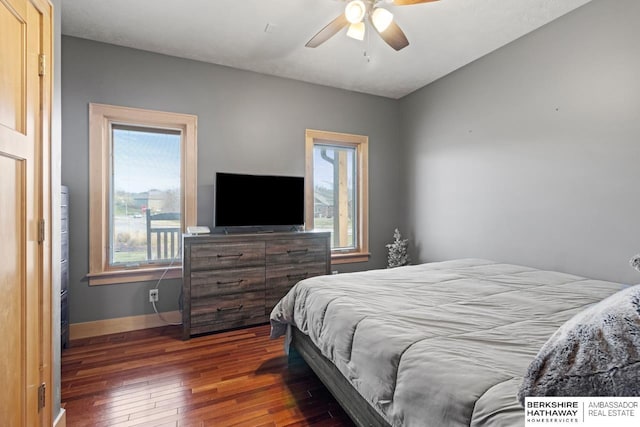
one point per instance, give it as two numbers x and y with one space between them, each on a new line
25 258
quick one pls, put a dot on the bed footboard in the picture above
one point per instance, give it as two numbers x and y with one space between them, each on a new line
360 411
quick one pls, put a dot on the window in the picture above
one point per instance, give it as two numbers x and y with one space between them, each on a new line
336 192
143 192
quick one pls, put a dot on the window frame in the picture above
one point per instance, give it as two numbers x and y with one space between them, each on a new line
101 117
361 145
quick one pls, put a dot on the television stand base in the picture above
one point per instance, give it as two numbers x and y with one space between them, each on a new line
262 230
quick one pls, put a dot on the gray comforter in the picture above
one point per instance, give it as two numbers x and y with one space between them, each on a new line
440 344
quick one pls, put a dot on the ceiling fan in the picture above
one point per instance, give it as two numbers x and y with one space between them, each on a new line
354 16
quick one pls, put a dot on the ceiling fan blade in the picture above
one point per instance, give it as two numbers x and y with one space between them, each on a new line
329 31
394 36
410 2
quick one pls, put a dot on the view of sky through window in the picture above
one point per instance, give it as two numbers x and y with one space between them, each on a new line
144 160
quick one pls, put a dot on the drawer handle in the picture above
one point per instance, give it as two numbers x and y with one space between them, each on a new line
230 282
231 255
297 251
239 307
297 276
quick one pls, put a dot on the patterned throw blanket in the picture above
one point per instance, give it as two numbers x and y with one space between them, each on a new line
596 353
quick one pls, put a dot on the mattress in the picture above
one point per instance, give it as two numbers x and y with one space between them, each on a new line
438 344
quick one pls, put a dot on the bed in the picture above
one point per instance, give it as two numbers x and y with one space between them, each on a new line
437 344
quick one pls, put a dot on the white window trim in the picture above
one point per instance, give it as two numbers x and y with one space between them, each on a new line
101 117
361 143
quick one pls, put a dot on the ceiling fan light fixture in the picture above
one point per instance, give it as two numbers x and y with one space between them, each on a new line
381 19
355 11
356 31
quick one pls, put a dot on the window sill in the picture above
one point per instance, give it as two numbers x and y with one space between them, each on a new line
346 258
134 275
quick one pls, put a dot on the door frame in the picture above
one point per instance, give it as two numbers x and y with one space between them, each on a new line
47 189
45 157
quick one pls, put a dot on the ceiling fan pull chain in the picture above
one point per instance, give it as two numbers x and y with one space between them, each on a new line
365 54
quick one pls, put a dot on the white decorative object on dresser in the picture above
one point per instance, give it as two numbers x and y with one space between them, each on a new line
235 280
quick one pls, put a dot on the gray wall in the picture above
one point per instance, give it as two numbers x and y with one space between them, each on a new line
531 154
247 122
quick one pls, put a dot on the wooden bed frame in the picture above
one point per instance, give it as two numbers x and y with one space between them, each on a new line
360 411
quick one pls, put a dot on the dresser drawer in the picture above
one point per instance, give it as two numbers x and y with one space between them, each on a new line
297 251
64 219
208 283
280 279
228 255
64 307
64 246
227 308
64 275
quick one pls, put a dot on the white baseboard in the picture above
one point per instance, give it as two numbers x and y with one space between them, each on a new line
61 419
121 324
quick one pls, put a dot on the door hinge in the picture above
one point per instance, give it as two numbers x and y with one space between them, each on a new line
41 230
42 395
41 64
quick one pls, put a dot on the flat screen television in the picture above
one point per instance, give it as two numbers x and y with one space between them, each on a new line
258 200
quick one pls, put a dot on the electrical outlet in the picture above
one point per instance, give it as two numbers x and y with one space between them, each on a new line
153 295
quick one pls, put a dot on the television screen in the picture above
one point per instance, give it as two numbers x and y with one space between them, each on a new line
258 200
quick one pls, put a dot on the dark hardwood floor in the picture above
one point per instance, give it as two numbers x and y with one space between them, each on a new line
153 378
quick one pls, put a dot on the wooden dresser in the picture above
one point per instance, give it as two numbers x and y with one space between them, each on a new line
235 280
64 267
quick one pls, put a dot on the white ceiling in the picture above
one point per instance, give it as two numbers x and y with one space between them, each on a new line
268 36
